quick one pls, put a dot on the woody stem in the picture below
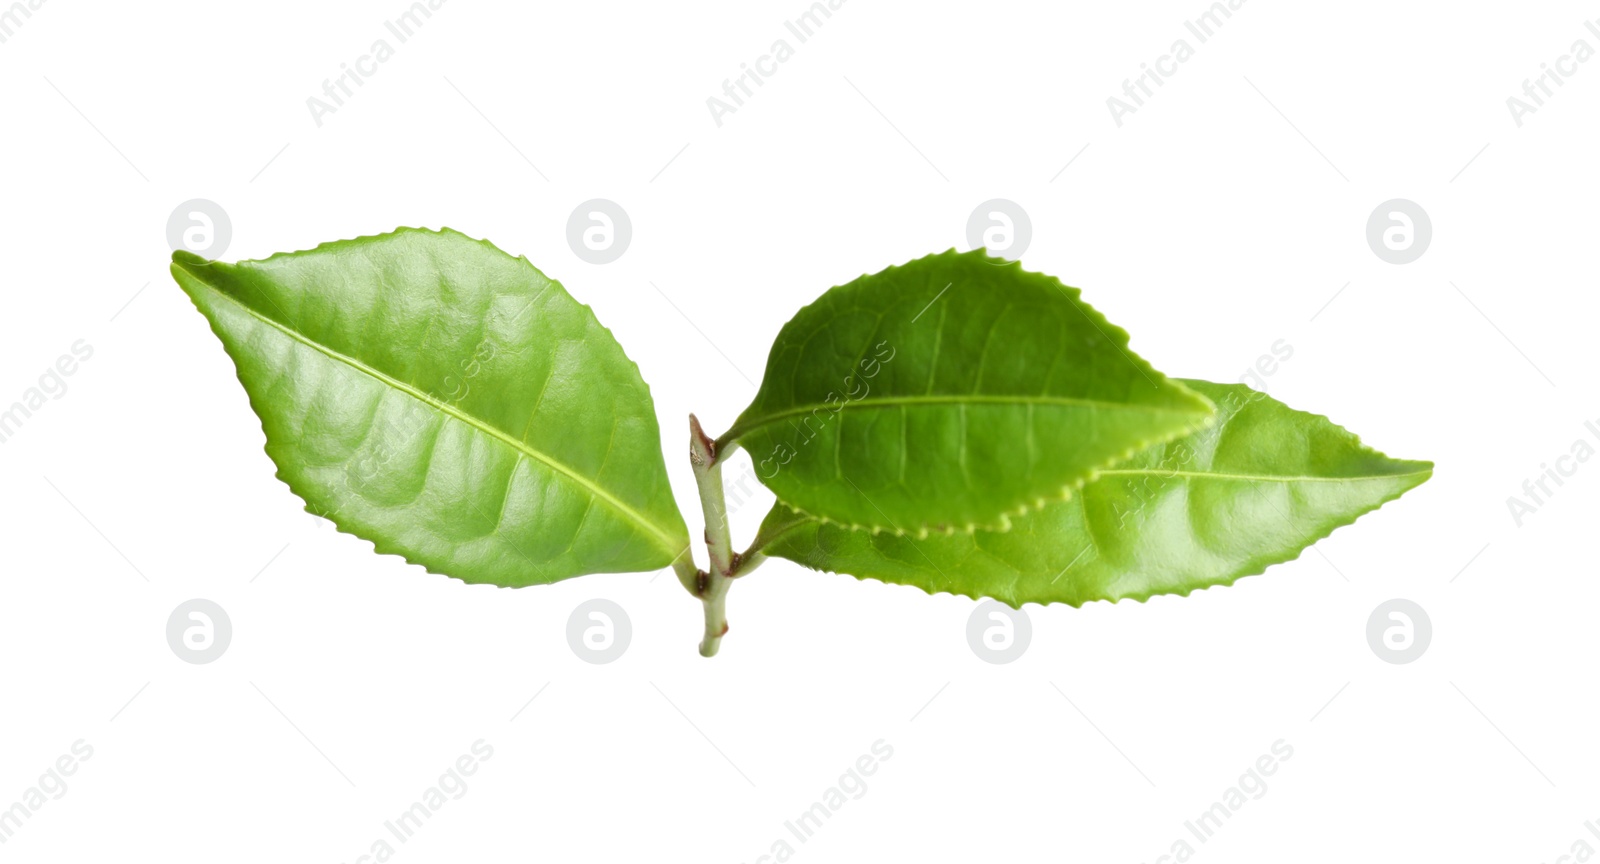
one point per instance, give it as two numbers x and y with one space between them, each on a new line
712 585
726 565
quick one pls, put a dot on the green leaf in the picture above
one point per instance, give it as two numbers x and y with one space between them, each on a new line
951 393
1253 490
449 403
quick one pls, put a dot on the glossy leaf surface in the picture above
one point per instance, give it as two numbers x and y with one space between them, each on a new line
1253 490
448 402
951 393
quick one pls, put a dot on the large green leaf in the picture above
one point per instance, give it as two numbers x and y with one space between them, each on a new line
951 393
449 403
1253 490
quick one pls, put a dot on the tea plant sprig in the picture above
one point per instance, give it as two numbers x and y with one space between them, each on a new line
955 423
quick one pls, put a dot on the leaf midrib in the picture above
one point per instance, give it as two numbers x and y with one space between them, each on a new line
801 520
1265 478
741 429
667 542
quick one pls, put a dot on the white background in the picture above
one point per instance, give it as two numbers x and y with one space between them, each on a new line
1221 217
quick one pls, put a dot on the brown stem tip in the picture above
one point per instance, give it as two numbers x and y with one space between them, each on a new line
702 449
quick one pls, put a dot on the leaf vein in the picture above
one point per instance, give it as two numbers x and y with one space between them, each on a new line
559 468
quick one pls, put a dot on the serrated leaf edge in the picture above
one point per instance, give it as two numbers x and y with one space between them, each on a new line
1005 516
1003 523
182 256
764 539
1142 597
